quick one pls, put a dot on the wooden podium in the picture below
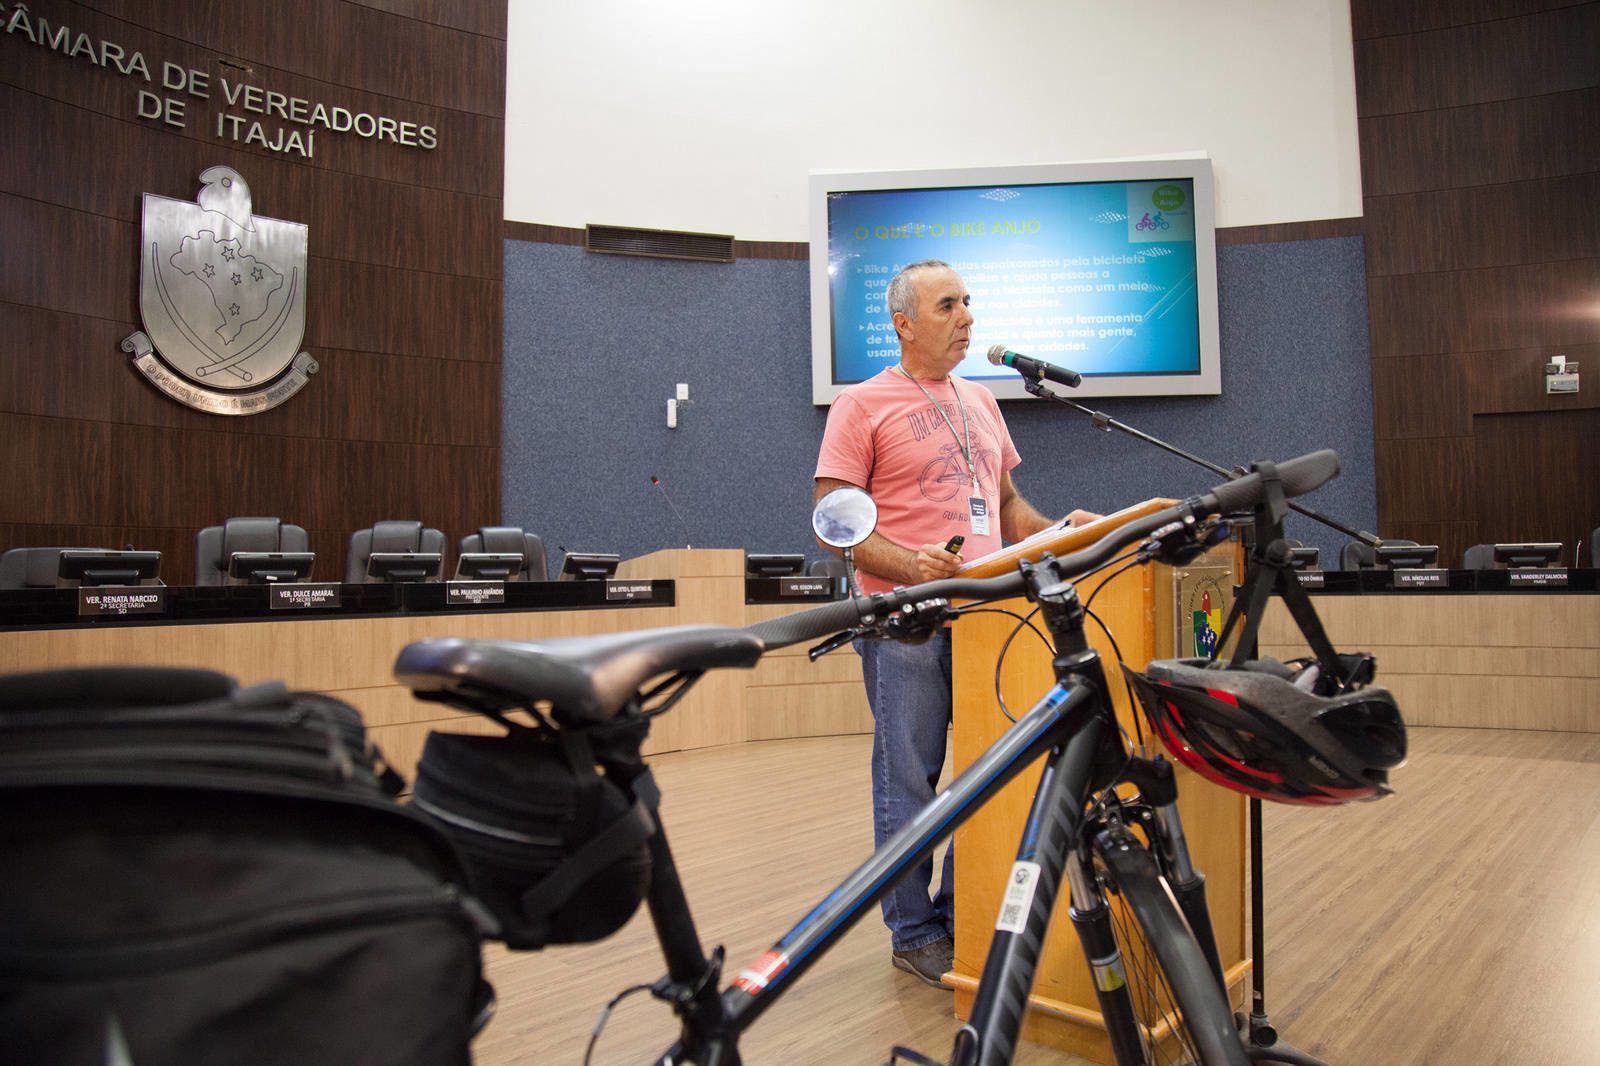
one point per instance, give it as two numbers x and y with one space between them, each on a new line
1149 609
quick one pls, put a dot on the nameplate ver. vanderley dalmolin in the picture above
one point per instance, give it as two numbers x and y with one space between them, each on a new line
222 292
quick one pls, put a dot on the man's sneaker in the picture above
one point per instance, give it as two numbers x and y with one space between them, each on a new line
929 962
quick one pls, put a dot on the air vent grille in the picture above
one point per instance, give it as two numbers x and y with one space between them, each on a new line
661 243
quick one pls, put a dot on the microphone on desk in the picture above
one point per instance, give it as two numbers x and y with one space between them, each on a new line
1034 368
663 490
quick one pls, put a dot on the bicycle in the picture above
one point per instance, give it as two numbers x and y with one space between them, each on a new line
1133 887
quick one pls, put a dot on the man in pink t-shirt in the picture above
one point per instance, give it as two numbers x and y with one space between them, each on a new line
935 454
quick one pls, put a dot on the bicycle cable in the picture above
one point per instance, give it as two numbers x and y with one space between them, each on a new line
1127 686
1027 620
605 1015
1022 620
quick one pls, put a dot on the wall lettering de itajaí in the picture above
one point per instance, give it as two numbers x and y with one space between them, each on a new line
230 108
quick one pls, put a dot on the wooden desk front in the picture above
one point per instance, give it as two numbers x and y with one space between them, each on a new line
352 658
1500 660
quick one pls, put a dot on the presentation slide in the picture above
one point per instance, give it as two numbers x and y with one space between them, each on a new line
1097 277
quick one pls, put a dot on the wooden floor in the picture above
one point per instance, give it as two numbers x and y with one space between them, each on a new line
1455 922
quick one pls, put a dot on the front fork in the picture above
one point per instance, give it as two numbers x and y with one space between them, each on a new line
1083 762
1158 790
1155 811
1082 767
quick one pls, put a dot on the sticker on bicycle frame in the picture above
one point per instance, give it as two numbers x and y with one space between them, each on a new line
1017 900
1108 975
755 979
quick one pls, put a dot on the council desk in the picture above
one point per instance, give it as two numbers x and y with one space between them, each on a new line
346 645
1486 648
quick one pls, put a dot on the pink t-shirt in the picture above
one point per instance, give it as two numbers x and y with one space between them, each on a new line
885 436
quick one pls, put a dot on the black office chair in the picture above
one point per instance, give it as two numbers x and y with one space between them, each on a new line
1357 555
827 566
395 537
1478 557
1360 556
31 568
510 539
214 545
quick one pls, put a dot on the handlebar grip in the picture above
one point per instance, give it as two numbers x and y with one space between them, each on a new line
806 625
1298 476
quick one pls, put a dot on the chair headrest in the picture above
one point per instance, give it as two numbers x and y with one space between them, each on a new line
397 536
249 535
502 539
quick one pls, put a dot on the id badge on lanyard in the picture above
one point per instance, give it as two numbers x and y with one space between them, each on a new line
978 512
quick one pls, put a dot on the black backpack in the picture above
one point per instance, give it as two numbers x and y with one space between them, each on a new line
193 872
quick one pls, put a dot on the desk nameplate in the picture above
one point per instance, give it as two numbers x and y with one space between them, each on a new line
474 593
1421 579
627 588
1537 577
304 596
121 600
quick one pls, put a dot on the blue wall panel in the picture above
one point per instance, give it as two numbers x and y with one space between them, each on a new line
594 345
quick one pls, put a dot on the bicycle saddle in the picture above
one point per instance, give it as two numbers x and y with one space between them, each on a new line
585 679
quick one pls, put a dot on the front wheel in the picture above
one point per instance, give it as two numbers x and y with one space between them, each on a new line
1182 1013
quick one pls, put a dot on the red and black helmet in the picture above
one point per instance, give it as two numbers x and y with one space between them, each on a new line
1252 728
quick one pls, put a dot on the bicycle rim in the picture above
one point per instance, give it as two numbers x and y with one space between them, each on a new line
1184 1019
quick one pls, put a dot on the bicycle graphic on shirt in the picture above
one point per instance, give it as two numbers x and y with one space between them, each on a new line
946 476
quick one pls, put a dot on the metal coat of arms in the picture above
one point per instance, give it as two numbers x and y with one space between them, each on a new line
222 292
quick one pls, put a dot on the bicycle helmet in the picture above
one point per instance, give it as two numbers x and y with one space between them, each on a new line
1254 730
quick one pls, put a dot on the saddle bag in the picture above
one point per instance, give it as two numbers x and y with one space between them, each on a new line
556 851
195 872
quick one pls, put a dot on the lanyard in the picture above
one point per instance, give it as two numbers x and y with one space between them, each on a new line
964 444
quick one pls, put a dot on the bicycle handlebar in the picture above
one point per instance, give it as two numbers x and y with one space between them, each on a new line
1296 476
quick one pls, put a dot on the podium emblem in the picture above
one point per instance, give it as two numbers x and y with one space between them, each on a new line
222 295
1204 595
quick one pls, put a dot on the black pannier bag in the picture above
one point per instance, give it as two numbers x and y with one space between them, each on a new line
193 872
557 852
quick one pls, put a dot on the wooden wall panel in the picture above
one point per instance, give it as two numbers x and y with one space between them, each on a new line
468 137
1483 310
404 276
1499 382
355 44
1383 18
444 231
1428 480
1506 224
1533 137
1531 469
1466 61
1420 396
344 404
1480 176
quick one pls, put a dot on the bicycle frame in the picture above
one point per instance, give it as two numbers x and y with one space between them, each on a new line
1074 727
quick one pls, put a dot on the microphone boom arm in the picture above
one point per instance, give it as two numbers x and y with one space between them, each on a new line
1105 422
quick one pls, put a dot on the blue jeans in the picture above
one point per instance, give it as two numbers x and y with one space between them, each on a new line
908 687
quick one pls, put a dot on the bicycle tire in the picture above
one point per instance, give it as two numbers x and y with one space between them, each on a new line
1182 1010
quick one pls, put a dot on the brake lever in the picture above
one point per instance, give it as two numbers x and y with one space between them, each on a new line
1181 542
911 624
917 622
834 643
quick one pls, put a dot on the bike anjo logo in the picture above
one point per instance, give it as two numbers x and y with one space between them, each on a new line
1161 211
222 294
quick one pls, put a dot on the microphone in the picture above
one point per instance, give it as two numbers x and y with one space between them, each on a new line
663 490
1034 368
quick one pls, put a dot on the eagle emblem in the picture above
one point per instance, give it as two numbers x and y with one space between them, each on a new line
222 295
